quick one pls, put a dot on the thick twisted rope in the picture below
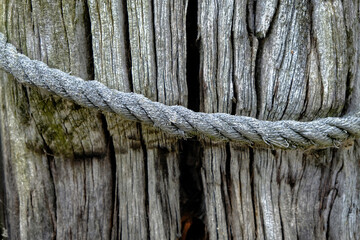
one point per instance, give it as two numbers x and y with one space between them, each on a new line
177 120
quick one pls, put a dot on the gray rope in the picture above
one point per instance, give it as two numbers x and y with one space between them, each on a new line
178 120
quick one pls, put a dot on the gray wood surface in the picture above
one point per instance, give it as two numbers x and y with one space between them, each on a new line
67 172
303 70
55 154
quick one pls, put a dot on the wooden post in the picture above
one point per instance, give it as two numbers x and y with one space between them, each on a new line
68 172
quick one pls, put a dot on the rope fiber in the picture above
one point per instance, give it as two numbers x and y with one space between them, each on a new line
178 120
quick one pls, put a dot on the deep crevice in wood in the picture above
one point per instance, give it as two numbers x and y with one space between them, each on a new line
276 158
348 94
257 76
155 51
252 187
191 191
111 155
226 188
2 191
146 177
192 57
250 19
127 45
88 42
235 91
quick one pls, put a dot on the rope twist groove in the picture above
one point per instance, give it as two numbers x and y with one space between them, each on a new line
177 120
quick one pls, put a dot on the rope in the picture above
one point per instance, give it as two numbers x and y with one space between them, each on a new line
178 120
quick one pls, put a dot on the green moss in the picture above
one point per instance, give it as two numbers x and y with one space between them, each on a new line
49 125
19 99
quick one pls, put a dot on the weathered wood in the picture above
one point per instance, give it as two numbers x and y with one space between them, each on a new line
245 47
146 160
3 231
266 193
111 68
290 186
69 172
216 66
56 157
155 32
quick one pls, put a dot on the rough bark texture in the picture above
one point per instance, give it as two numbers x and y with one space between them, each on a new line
303 70
71 173
56 155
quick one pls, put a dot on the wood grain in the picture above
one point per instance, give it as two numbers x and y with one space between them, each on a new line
71 173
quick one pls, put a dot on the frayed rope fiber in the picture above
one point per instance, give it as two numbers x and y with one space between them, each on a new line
178 120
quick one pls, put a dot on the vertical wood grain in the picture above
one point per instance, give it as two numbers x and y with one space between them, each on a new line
71 172
57 157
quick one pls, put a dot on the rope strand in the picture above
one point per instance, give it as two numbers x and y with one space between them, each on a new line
177 120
